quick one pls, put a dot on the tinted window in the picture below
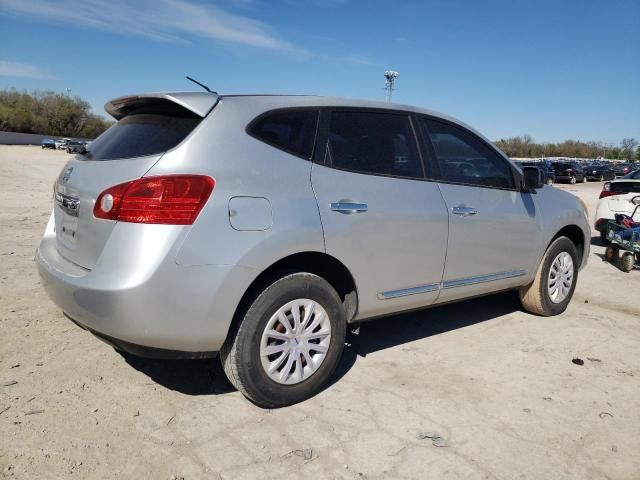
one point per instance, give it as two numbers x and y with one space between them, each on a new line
463 158
142 134
293 130
630 187
371 142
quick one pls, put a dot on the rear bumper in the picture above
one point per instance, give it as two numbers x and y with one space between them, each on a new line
601 224
146 302
564 178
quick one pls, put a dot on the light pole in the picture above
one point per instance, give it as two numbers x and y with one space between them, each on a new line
390 77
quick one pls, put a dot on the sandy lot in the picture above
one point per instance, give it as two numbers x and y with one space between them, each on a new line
496 383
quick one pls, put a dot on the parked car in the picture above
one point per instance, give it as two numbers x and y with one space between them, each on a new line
622 169
571 172
633 175
48 143
609 206
76 147
599 173
549 173
261 228
620 187
62 143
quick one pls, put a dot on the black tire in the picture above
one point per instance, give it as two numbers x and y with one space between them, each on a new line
611 253
549 181
535 296
240 355
584 179
573 180
627 261
601 179
603 237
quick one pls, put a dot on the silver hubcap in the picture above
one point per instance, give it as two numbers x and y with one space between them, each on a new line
295 341
560 277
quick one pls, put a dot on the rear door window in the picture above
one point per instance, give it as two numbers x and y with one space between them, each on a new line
293 131
373 142
142 134
464 158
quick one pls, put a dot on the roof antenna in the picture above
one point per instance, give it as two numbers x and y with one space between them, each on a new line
201 84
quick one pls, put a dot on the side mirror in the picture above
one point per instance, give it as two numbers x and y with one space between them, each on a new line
532 178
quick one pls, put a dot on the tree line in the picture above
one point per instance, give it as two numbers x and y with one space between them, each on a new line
525 147
49 113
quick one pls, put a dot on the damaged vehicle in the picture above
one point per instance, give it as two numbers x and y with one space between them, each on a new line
259 229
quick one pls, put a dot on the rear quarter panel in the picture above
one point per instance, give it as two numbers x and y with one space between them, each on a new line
242 166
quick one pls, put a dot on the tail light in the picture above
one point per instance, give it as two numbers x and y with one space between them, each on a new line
606 191
169 199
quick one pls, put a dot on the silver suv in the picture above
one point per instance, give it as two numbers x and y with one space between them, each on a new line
261 228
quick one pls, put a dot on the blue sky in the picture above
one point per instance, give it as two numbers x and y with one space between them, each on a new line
553 69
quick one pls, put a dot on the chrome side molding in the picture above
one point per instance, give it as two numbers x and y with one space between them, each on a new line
403 292
461 282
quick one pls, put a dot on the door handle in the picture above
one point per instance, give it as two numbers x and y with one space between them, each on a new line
463 211
348 207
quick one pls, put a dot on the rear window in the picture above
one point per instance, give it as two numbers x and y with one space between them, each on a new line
293 131
626 187
142 134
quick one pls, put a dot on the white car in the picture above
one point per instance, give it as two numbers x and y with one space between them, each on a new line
61 144
616 197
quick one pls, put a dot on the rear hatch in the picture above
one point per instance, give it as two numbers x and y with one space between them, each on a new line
148 126
564 169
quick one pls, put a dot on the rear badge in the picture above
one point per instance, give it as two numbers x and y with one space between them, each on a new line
67 175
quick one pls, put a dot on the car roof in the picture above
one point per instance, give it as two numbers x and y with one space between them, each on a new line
202 102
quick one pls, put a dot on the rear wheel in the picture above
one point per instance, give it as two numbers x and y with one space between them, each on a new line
573 180
601 179
627 261
549 181
611 253
288 342
555 281
584 179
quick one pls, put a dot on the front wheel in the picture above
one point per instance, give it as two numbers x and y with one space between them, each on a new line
549 181
573 180
601 178
288 342
584 179
555 281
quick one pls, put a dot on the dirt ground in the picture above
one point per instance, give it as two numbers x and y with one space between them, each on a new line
497 384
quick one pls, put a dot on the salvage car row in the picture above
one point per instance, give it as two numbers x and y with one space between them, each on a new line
574 171
71 146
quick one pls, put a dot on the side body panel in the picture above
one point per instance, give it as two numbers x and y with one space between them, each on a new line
398 243
493 249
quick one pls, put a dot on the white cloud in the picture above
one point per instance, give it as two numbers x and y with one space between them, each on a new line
164 20
22 70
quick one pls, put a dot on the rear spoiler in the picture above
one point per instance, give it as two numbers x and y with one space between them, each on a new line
199 103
